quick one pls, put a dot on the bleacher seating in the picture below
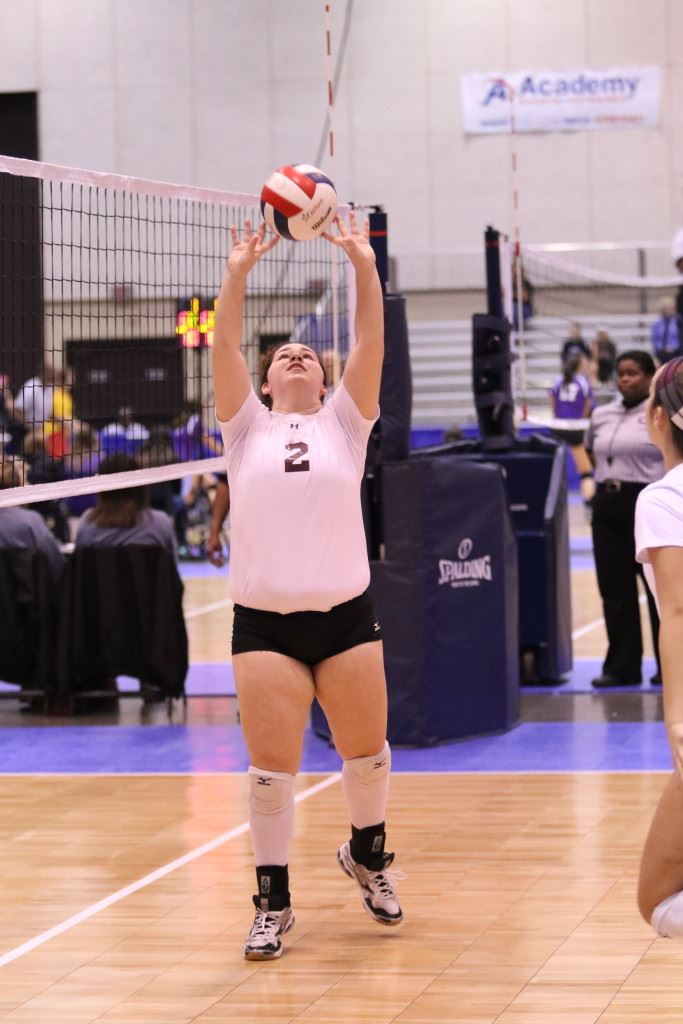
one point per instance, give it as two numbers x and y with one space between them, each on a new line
441 358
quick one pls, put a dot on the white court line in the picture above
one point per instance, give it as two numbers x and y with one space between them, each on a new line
208 608
141 883
598 622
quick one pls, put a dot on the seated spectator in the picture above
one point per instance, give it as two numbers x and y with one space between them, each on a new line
158 451
677 257
575 343
123 434
59 428
193 519
527 300
34 400
83 460
84 457
11 418
603 356
190 439
23 527
42 468
123 516
666 333
571 398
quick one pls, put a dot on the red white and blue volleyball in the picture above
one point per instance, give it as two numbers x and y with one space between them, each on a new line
299 202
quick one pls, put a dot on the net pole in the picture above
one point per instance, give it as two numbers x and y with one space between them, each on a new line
517 264
336 362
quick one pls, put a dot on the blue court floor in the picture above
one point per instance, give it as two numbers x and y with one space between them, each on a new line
163 749
568 728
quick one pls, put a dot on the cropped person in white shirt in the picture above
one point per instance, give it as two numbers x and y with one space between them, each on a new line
304 625
659 546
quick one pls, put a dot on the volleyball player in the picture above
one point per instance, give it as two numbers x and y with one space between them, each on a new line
659 546
304 625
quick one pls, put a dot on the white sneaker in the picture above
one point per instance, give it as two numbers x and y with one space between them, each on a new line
263 941
377 887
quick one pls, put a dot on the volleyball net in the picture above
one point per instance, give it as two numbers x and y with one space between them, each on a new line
108 289
568 297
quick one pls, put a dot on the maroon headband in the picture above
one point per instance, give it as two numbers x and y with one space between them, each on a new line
669 395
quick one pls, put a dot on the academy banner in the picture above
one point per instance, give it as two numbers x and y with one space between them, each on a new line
560 101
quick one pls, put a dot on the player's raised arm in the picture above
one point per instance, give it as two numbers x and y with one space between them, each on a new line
230 371
363 371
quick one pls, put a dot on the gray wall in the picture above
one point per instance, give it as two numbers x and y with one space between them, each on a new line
218 92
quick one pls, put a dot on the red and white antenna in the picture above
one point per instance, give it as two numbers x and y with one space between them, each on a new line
336 362
517 253
330 86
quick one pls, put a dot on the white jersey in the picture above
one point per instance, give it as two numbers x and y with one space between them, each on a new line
659 520
297 541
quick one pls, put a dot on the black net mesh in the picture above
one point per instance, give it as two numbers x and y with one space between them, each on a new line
107 300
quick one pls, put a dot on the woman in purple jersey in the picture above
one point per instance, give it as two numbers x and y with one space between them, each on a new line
304 625
571 398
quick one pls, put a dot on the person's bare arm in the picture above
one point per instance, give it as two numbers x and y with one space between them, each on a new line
668 568
230 370
219 510
363 370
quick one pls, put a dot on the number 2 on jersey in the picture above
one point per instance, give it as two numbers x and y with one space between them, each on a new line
295 463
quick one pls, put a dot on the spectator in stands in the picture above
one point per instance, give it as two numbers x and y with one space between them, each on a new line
58 429
123 433
42 468
23 527
576 343
11 417
603 356
124 516
84 457
527 300
190 439
158 451
666 333
677 257
34 400
571 398
625 461
82 460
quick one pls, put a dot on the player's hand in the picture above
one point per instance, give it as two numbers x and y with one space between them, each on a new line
248 250
354 241
214 551
675 734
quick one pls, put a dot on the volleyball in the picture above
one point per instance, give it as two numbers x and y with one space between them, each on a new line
298 202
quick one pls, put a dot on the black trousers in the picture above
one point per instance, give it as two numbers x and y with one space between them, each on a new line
617 571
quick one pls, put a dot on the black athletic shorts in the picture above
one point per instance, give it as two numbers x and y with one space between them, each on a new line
309 637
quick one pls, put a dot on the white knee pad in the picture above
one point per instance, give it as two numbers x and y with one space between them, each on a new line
269 792
366 786
667 917
369 770
271 815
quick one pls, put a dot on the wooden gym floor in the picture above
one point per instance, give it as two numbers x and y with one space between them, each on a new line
125 897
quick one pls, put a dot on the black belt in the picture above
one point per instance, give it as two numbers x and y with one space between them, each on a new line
614 486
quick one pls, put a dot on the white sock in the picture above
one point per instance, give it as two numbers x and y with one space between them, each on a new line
270 802
667 917
366 787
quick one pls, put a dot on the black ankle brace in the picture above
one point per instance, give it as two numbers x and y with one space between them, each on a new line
273 887
367 846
